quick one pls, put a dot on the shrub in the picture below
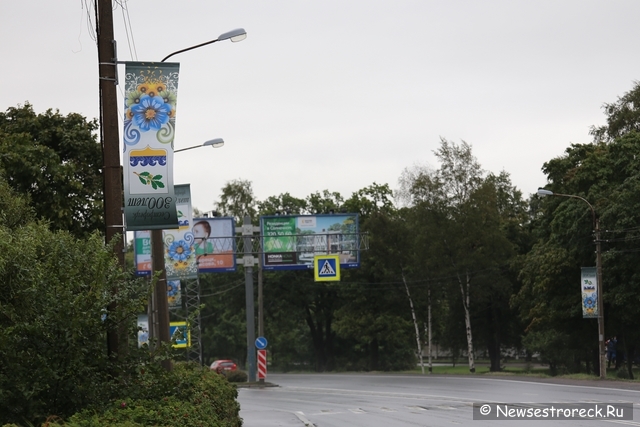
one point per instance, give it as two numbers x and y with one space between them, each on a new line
197 397
237 377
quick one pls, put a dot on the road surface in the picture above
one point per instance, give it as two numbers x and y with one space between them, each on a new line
388 400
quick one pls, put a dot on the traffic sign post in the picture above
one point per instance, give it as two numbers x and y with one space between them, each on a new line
262 364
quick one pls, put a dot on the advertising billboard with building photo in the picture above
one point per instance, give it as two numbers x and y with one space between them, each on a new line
290 242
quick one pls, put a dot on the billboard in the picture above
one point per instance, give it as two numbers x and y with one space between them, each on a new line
214 244
291 242
212 247
142 252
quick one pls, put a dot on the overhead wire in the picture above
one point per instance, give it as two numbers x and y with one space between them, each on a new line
89 5
128 29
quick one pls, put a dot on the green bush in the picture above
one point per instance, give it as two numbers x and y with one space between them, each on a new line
190 396
236 376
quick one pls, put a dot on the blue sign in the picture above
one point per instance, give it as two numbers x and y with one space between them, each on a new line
326 267
180 332
261 343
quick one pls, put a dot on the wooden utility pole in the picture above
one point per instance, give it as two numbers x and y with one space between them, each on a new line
160 291
110 141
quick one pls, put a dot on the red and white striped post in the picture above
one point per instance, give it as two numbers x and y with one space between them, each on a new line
262 364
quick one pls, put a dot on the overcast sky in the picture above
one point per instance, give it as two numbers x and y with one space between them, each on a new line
338 95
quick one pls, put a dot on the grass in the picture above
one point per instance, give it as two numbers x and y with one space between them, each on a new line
518 368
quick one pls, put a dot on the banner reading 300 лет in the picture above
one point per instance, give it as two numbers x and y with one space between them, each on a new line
151 90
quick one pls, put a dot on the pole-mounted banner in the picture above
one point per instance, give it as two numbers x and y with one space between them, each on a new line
151 90
179 256
589 287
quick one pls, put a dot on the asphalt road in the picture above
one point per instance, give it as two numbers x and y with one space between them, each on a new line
387 400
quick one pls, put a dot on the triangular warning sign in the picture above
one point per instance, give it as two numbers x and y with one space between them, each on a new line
327 270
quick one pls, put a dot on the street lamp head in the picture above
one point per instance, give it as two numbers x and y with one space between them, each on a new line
215 143
236 35
543 192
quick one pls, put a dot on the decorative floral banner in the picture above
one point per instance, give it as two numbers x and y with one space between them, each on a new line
589 292
151 90
174 293
179 253
143 330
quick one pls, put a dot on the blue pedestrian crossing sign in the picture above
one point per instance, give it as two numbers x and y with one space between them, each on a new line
179 332
326 268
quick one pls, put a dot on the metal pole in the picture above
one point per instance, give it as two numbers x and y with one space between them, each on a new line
260 299
260 303
596 226
429 330
247 234
601 347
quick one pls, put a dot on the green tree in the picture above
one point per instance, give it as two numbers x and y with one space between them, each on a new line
54 289
378 313
282 204
57 161
605 174
623 117
458 217
237 200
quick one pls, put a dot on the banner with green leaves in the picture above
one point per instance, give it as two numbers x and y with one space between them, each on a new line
150 98
589 285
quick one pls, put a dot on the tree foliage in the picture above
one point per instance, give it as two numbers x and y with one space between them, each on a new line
605 173
57 162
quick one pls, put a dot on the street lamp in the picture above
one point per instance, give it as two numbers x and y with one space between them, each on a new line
157 244
596 227
157 259
236 35
215 143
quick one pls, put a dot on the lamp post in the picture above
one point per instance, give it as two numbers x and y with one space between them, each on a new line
215 143
236 35
159 300
157 244
596 228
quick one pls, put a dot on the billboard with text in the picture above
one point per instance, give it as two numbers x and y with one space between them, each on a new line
290 242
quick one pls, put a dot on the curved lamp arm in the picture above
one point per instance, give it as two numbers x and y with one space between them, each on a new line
236 35
544 192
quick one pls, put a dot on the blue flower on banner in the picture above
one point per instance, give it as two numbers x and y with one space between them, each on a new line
179 251
590 302
172 287
150 113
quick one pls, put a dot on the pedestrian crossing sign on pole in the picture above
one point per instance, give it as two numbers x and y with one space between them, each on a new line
326 268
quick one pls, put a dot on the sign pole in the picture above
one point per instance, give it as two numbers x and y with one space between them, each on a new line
247 234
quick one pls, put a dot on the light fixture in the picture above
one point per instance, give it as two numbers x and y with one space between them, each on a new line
236 35
215 143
